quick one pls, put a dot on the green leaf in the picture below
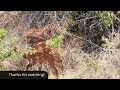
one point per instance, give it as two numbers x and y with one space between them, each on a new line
106 17
1 66
2 33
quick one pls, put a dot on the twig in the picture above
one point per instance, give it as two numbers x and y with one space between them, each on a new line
86 40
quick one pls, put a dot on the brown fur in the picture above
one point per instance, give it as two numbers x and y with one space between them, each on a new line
44 55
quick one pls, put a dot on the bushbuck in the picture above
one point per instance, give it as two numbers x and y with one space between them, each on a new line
44 54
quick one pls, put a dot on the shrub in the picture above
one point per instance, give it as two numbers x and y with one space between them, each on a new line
8 49
55 42
2 33
106 17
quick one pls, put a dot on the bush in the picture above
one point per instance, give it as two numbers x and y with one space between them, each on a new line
2 33
8 49
55 42
106 17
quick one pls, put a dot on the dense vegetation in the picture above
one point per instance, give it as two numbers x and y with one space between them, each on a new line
90 46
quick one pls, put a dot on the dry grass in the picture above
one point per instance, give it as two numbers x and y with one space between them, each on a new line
77 63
